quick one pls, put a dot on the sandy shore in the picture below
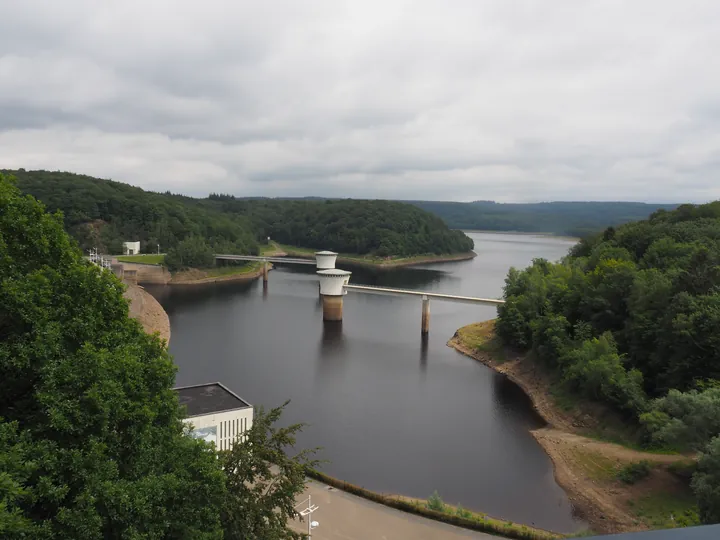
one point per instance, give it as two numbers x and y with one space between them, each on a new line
148 312
585 468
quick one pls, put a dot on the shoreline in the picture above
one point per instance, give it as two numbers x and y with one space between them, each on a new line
524 233
247 276
603 502
386 264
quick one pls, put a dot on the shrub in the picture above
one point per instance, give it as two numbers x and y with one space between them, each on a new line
634 472
435 502
706 483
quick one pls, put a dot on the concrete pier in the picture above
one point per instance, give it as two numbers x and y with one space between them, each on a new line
332 292
332 308
425 322
265 271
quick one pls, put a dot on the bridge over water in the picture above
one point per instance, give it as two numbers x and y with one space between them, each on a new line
334 284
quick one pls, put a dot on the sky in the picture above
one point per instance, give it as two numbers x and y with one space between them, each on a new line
506 100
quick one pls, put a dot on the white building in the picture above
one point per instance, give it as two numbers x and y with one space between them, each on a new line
131 248
216 414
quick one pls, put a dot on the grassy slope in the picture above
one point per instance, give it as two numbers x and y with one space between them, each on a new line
661 500
143 259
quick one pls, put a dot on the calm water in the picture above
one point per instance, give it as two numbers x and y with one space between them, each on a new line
392 413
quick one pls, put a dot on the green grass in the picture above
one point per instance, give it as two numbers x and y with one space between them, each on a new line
143 259
481 337
233 270
269 248
665 510
595 465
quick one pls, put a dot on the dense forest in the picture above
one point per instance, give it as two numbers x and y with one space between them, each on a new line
102 213
630 318
565 218
381 228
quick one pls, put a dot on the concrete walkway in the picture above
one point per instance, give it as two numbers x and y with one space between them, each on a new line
342 516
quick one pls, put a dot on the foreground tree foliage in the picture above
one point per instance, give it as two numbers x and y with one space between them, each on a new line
263 482
630 318
92 439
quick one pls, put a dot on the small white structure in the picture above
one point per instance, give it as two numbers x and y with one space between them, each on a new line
131 248
332 282
325 260
217 414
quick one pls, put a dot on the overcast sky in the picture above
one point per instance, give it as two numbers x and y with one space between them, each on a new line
448 100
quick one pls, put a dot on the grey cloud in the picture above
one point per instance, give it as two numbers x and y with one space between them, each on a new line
501 100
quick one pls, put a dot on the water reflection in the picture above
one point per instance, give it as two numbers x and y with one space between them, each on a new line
331 359
424 351
332 342
391 414
510 400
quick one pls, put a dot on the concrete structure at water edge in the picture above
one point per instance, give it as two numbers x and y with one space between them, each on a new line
131 248
425 320
325 260
333 284
332 290
217 414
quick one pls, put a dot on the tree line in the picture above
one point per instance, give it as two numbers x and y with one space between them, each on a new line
564 218
630 318
374 227
93 442
102 213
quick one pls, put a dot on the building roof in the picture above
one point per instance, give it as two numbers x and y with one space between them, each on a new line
209 398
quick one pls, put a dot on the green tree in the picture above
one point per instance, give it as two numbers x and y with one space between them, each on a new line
92 442
686 420
193 252
596 370
263 482
706 483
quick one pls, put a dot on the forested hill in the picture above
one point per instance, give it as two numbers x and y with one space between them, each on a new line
631 318
566 218
104 213
382 228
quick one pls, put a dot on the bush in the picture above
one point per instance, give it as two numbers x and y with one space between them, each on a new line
435 502
634 472
706 483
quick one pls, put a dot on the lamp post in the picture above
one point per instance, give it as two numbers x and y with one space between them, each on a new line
307 513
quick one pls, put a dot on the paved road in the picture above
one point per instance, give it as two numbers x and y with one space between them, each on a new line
342 516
